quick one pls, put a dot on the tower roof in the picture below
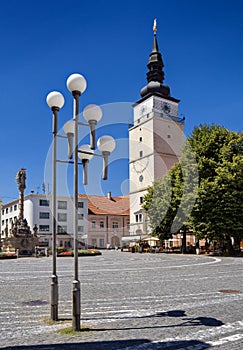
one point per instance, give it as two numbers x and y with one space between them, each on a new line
155 75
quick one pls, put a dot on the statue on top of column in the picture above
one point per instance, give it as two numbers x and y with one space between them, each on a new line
20 179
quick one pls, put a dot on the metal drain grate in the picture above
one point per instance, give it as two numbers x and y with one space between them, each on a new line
230 291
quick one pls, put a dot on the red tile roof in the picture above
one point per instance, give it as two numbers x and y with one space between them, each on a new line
102 205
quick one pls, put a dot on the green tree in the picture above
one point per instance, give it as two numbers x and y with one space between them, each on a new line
169 202
218 212
203 191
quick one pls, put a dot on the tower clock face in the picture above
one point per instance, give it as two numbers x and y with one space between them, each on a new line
143 110
166 108
140 165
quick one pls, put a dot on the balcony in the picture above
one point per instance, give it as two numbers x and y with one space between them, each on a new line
155 114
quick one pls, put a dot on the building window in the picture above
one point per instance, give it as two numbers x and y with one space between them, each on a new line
141 200
169 136
141 154
62 217
80 216
115 224
93 224
80 229
2 222
6 221
102 242
128 224
6 210
3 212
80 204
62 205
44 203
139 217
11 209
94 242
102 224
43 215
15 206
61 229
44 228
140 139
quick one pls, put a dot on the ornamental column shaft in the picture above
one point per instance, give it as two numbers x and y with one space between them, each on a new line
20 179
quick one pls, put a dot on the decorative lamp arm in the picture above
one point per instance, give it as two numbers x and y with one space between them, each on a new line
85 163
92 125
105 164
70 145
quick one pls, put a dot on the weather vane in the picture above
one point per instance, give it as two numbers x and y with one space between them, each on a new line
155 26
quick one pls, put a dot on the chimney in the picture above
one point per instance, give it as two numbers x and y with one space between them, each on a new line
109 195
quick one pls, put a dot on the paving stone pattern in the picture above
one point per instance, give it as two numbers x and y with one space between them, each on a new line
130 301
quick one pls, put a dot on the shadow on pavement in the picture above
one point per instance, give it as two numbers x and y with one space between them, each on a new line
203 321
172 313
186 322
141 344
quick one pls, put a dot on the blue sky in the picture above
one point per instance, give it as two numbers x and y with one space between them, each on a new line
109 42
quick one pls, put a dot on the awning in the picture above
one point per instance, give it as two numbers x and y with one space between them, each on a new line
151 239
133 238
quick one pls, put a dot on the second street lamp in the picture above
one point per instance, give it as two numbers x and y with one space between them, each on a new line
55 101
92 113
106 144
76 84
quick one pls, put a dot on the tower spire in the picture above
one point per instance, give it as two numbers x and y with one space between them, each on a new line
155 75
155 26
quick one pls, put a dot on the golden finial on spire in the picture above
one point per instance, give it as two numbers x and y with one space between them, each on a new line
155 26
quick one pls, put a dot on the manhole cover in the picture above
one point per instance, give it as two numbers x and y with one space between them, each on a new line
35 302
230 291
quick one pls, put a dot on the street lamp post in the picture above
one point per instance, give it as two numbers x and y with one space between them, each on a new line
76 84
55 100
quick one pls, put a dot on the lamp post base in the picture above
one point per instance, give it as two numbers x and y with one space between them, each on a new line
54 298
76 306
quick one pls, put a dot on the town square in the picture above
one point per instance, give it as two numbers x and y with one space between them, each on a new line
121 192
128 301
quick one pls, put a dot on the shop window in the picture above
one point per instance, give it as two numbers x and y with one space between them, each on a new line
44 228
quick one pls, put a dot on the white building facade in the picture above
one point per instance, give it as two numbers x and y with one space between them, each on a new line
37 212
155 139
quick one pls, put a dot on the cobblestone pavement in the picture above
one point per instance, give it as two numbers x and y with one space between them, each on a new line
129 301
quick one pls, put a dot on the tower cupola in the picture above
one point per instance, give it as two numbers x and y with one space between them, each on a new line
155 75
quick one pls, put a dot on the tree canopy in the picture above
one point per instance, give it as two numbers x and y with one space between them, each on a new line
204 190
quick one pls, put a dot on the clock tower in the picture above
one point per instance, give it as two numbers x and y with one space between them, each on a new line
155 139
